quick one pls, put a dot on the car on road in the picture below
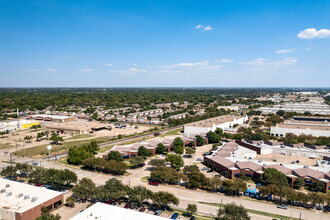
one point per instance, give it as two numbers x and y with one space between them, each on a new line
282 207
175 216
153 183
158 212
142 209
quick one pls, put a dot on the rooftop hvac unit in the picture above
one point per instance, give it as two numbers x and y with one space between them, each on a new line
20 195
34 199
7 186
9 194
3 191
26 197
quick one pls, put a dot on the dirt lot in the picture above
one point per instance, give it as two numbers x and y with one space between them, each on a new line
287 159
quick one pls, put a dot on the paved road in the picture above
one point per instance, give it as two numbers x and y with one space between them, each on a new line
186 195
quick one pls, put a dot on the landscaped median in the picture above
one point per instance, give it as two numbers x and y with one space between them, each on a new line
252 211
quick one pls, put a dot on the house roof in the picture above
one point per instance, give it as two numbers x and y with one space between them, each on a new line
303 172
248 165
280 168
222 161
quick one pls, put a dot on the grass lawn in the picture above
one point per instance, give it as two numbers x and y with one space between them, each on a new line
255 212
80 136
4 146
171 133
42 150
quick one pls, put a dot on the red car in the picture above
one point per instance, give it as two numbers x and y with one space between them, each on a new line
127 206
142 209
154 183
109 202
38 184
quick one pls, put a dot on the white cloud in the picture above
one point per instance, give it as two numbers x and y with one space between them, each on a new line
86 70
285 51
207 28
278 63
137 70
199 26
51 70
310 33
108 64
224 61
66 57
32 70
204 63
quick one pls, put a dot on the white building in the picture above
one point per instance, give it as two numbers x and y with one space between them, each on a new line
22 201
103 211
314 108
16 125
224 122
280 130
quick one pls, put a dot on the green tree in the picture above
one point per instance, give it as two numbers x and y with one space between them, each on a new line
143 152
9 171
138 194
275 177
178 149
76 155
280 113
191 208
157 162
92 147
40 135
178 142
70 201
190 169
84 189
298 183
35 127
28 139
175 160
165 175
49 216
68 177
115 155
161 148
199 140
213 137
219 131
164 199
232 212
113 189
136 161
190 151
318 186
197 179
56 138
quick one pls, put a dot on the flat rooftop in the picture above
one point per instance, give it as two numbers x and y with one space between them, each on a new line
103 211
20 197
52 116
217 120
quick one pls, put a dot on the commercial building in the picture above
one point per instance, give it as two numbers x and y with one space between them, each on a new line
225 122
53 118
15 124
234 107
22 201
131 150
76 127
300 107
232 164
316 126
103 211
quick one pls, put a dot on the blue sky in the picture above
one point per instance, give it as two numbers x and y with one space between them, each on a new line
169 43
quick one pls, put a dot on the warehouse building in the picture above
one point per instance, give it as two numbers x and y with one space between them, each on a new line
22 201
103 211
225 122
53 118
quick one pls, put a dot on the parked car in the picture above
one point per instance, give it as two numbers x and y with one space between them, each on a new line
109 202
282 206
21 181
175 216
192 218
35 164
38 184
127 206
154 183
142 209
158 212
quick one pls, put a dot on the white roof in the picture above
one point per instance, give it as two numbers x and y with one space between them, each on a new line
103 211
53 116
18 196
